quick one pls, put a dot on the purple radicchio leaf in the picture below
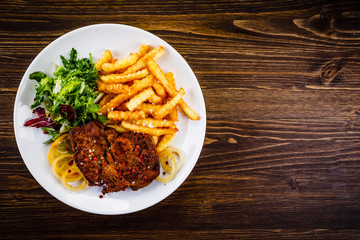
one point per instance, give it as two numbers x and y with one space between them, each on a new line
67 111
42 120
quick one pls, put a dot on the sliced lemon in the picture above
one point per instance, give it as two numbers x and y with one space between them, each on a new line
61 146
61 164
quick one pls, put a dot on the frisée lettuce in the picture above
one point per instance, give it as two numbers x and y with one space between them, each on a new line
68 99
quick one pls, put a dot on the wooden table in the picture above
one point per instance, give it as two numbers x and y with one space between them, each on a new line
281 157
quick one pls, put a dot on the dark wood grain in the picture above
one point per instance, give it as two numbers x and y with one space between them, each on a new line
281 157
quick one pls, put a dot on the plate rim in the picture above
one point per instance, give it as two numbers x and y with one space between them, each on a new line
21 86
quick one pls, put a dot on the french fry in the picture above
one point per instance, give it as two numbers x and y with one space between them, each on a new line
148 108
170 77
118 116
143 49
123 78
173 115
155 99
121 63
171 90
116 101
155 54
156 71
150 122
160 91
148 130
122 107
184 107
118 128
135 101
141 84
149 105
113 88
106 99
105 58
120 98
169 106
188 111
164 142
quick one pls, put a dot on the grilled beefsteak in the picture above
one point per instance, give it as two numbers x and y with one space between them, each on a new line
114 160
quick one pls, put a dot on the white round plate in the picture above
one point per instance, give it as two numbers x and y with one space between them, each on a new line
120 40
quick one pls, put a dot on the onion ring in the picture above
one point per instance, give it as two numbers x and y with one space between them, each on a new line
72 188
172 168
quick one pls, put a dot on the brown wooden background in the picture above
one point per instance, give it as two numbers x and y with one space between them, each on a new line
281 81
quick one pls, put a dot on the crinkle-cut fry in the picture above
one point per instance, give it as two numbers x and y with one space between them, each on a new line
154 53
156 71
155 99
164 142
118 128
173 115
169 106
148 108
116 101
143 49
150 122
160 91
107 98
118 116
184 107
120 98
141 97
171 79
121 63
141 84
122 107
188 111
123 78
115 88
170 89
105 58
148 130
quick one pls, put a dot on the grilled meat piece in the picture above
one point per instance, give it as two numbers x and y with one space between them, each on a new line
114 160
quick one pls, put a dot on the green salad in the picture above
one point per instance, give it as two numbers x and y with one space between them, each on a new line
68 99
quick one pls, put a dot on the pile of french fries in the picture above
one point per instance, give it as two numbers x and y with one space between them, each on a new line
139 97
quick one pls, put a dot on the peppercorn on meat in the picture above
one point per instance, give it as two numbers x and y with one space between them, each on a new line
114 160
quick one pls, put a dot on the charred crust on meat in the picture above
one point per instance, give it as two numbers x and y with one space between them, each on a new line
114 160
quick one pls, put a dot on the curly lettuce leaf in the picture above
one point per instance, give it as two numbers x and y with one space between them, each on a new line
68 97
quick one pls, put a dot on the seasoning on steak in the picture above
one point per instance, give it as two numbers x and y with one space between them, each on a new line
114 160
